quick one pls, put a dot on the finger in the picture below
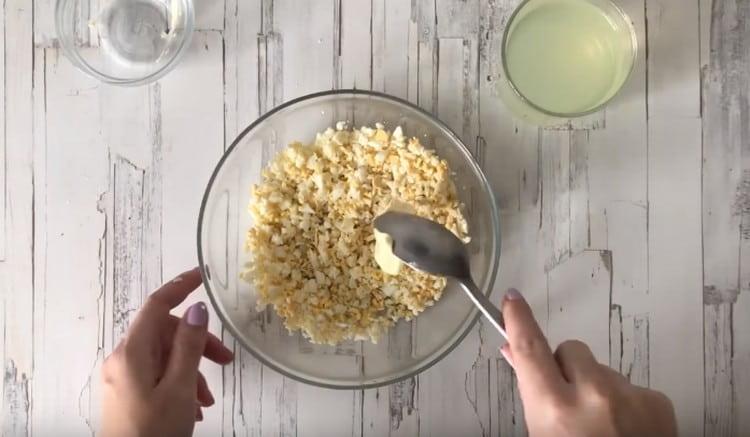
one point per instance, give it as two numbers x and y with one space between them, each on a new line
205 398
145 332
137 350
614 375
177 290
215 349
659 407
576 361
507 354
187 348
535 366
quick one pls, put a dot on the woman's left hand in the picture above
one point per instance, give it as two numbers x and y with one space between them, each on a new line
152 386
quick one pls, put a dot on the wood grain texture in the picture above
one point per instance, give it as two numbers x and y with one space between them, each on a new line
675 265
675 259
3 165
17 248
71 99
579 298
726 171
244 77
634 221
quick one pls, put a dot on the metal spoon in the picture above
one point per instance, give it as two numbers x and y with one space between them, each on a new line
430 247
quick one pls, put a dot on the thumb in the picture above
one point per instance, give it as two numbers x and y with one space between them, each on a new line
188 345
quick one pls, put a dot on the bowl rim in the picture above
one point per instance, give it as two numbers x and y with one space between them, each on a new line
567 115
71 51
495 218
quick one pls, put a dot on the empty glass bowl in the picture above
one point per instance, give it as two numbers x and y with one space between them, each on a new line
124 42
409 347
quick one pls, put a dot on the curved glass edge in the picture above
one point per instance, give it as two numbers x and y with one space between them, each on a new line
471 320
72 54
556 117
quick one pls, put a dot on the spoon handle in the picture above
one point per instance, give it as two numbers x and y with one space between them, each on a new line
482 302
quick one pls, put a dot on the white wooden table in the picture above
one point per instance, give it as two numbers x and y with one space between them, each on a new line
631 230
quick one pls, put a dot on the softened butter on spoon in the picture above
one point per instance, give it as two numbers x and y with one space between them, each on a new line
389 263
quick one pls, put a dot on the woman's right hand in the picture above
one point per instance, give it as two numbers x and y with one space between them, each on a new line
569 393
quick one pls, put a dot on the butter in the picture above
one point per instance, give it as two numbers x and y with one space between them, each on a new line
389 263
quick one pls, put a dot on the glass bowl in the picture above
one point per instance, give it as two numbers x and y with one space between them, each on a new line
124 42
409 347
594 47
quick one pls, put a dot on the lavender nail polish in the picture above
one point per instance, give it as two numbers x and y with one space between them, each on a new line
197 315
513 294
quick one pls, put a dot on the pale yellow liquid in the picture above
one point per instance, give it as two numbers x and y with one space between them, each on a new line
568 56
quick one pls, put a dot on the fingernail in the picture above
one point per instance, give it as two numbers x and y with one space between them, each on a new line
197 315
513 294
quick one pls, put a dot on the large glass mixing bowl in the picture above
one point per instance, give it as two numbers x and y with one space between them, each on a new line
409 347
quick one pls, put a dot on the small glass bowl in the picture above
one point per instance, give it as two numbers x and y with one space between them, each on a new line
124 42
523 107
409 347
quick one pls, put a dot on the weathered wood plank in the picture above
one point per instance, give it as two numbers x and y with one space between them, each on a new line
615 337
210 15
17 231
579 296
507 142
390 410
125 129
511 159
673 58
508 411
184 179
127 244
44 23
3 164
242 380
725 36
635 352
426 83
72 195
354 63
241 65
580 227
447 399
741 357
457 93
616 156
627 239
719 395
39 151
448 73
457 19
674 175
279 405
555 196
391 40
307 32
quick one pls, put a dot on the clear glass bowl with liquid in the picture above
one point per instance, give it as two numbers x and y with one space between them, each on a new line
409 347
124 42
565 58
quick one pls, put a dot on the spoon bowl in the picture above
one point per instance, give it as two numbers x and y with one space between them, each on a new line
430 247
